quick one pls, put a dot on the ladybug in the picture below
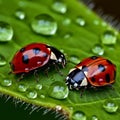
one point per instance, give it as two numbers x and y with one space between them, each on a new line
91 72
34 56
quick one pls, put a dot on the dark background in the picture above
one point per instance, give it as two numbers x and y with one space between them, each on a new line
108 10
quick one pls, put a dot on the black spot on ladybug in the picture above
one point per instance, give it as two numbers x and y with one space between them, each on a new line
22 49
36 51
109 62
84 68
25 59
93 79
101 67
107 77
94 57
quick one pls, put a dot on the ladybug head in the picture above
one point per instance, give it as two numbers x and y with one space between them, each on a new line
76 79
57 57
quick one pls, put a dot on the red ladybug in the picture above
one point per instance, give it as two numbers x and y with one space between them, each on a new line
93 71
34 56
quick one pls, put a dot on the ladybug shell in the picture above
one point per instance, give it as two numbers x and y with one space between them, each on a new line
30 57
98 71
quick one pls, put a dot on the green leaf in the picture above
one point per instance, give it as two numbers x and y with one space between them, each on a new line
79 30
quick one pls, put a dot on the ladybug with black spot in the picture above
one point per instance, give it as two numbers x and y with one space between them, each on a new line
34 56
91 72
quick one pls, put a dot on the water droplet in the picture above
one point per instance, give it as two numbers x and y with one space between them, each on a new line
67 35
94 117
22 88
59 7
98 49
80 21
6 32
108 38
58 90
66 21
104 24
42 96
6 82
74 59
79 116
20 14
32 94
38 87
2 61
110 106
44 24
58 108
96 22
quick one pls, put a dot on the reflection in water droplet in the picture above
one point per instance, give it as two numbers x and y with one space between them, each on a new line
6 82
98 49
38 87
32 94
58 90
59 7
79 116
66 21
110 106
74 59
94 117
80 21
6 32
2 61
44 24
20 14
108 38
22 88
58 108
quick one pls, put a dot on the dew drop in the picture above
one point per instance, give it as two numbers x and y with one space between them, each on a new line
58 108
79 115
44 24
22 88
58 90
6 82
109 38
74 59
59 7
110 106
80 21
38 87
20 14
66 21
67 35
42 96
32 94
6 32
94 117
98 49
2 61
96 22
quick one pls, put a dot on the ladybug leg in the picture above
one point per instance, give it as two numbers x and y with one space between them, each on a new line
46 71
82 91
58 69
36 75
21 77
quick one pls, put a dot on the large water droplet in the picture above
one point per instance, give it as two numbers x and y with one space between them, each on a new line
98 49
80 21
79 116
59 6
22 88
74 59
20 14
32 94
58 90
94 117
2 61
110 106
6 32
6 82
109 38
38 87
44 24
